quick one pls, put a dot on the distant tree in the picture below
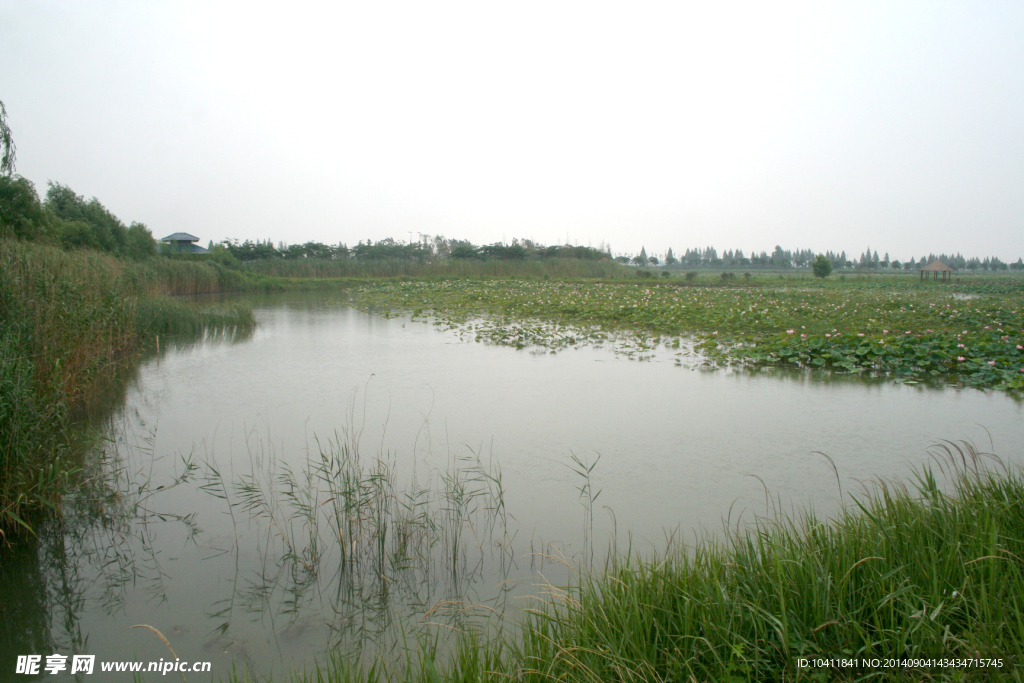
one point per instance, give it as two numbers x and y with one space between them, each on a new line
139 242
389 249
251 251
498 251
781 258
670 258
653 260
462 249
822 266
85 223
21 213
441 247
6 144
622 259
220 253
566 251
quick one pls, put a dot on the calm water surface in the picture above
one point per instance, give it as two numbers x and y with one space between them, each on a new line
232 571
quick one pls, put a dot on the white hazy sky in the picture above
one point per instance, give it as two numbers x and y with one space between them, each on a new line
821 125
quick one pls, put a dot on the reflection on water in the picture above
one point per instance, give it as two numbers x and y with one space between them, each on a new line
342 480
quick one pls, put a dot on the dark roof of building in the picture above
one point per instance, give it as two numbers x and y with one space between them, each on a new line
939 266
180 237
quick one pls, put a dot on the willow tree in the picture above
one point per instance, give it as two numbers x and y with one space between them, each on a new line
7 143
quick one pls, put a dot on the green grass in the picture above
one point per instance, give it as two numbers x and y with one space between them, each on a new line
906 571
70 319
883 324
163 315
911 571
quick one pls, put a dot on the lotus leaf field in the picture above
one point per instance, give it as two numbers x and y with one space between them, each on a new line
966 334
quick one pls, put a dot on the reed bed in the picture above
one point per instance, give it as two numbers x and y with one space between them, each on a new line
179 276
70 319
163 315
66 318
553 268
906 570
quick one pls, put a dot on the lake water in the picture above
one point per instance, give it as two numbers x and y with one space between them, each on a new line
249 561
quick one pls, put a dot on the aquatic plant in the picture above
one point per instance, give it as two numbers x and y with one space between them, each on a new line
399 556
886 325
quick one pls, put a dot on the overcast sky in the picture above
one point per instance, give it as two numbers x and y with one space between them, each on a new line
822 125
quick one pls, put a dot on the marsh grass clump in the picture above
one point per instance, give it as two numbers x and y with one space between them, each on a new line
904 571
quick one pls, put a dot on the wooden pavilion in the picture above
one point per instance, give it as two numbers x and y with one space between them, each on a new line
935 268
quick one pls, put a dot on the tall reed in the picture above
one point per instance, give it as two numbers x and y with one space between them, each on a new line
555 268
68 320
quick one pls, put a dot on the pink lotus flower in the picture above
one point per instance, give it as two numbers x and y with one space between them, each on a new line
803 336
885 331
960 346
991 362
960 359
790 331
860 334
829 334
1020 348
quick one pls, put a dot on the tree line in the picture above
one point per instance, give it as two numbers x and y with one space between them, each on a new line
68 219
428 248
72 221
804 258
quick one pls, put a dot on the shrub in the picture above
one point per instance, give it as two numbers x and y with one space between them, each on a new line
822 266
